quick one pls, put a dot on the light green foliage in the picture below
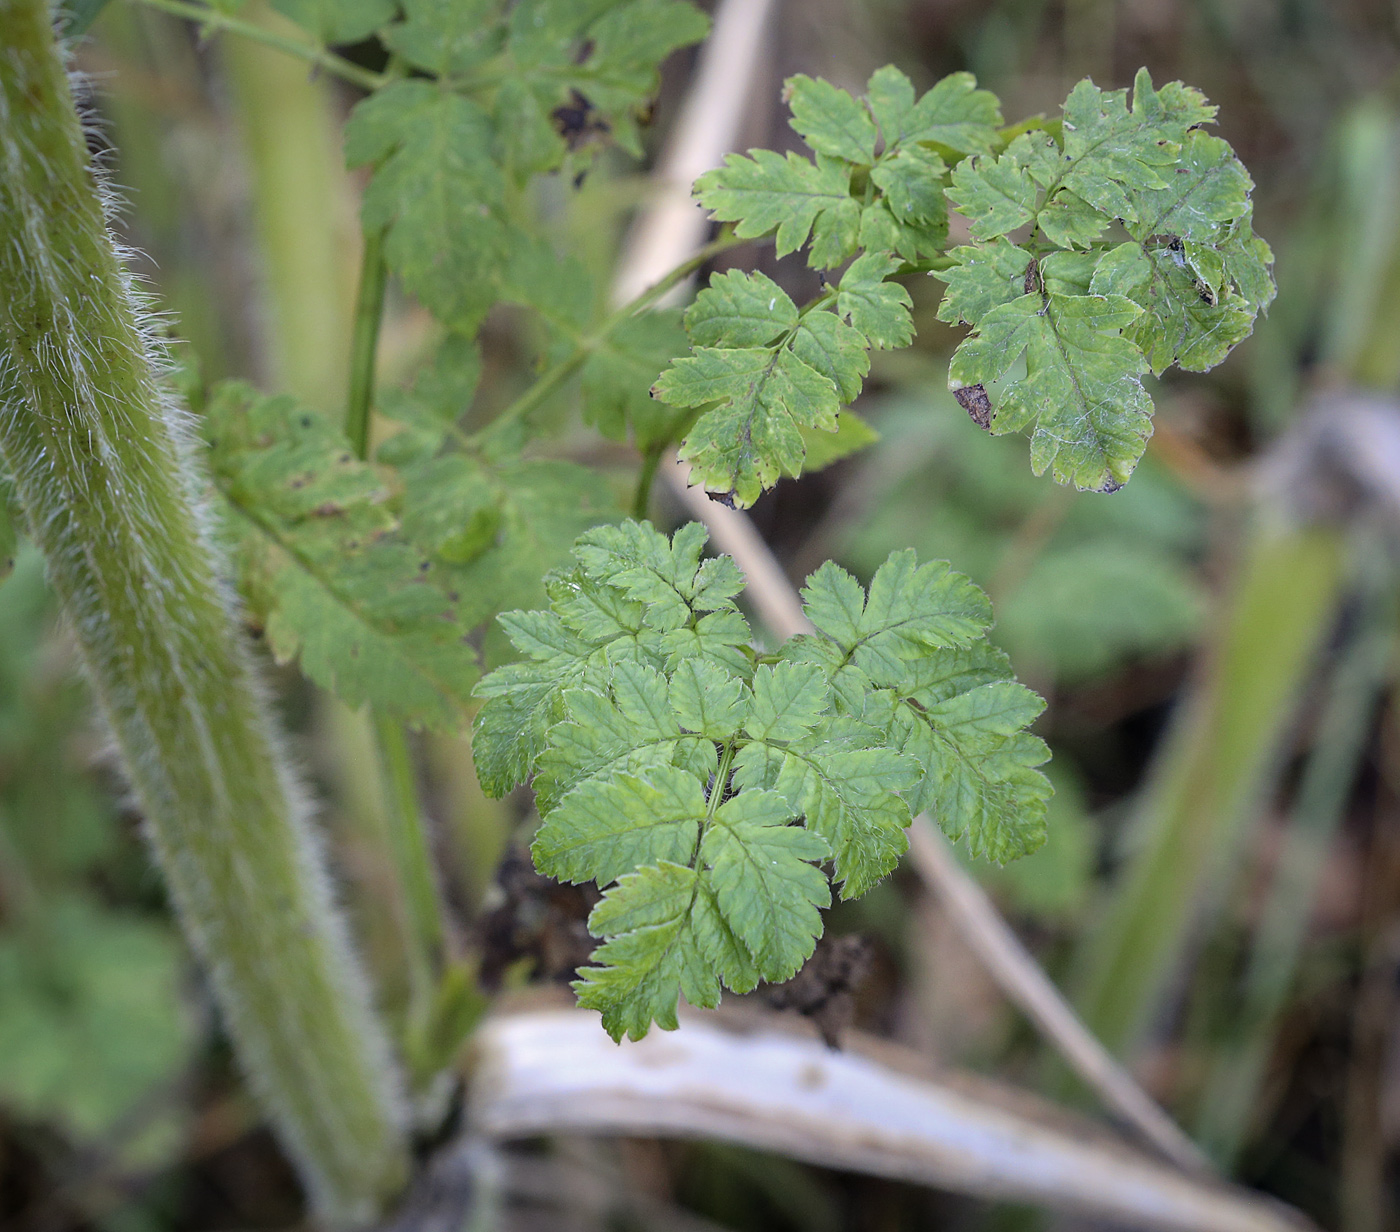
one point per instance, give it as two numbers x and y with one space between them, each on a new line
1057 885
875 183
823 448
1139 256
438 191
1132 251
876 180
705 786
769 373
618 375
90 1021
337 21
376 579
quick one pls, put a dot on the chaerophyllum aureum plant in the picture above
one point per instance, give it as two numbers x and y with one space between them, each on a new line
715 790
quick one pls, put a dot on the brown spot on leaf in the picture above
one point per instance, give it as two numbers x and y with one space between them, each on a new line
1110 486
973 399
1031 282
578 121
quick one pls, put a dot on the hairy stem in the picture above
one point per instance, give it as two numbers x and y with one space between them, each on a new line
212 20
103 470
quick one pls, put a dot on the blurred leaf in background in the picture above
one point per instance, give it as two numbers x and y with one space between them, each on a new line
93 1024
1082 584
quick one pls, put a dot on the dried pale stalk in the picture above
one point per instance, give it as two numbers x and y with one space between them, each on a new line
883 1113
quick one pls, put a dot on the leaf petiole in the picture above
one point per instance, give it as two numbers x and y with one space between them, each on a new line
565 368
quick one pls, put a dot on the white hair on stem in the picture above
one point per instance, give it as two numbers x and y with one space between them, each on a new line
104 462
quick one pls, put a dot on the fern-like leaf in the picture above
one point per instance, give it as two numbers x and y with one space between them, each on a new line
706 789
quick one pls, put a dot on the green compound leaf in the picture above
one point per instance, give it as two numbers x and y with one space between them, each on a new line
878 309
955 113
438 191
984 278
790 196
980 781
606 827
325 567
597 60
446 37
597 623
666 937
830 120
765 398
1082 390
740 310
765 886
705 791
556 78
768 379
910 609
378 591
619 374
876 182
1089 312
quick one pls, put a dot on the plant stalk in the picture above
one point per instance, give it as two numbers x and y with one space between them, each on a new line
1203 789
571 363
405 826
1357 681
364 344
303 205
104 471
213 21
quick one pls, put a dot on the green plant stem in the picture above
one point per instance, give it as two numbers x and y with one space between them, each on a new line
556 376
1201 791
406 828
302 203
107 485
1357 681
408 844
364 344
651 461
211 20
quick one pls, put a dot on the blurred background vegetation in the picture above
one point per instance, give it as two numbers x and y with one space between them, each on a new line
1217 642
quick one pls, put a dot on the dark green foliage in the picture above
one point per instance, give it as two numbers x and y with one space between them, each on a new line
523 89
1089 313
376 579
705 786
